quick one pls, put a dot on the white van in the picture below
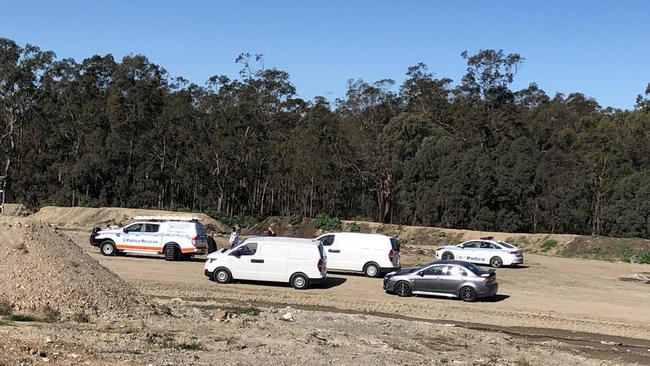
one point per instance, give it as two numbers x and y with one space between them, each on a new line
300 262
371 254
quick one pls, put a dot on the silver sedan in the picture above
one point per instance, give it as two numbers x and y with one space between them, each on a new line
449 278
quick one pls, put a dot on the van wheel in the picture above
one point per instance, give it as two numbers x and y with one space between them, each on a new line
172 253
496 262
371 270
222 275
107 248
403 289
447 255
467 294
299 281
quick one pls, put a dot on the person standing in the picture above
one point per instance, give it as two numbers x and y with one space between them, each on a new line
234 238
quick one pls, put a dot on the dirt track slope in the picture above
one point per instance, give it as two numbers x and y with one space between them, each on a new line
85 218
44 273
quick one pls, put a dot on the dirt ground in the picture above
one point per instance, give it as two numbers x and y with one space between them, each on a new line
558 311
551 311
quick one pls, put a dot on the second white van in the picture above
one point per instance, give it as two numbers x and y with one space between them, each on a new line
372 254
300 262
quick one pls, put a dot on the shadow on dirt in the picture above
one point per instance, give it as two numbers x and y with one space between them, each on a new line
495 298
329 282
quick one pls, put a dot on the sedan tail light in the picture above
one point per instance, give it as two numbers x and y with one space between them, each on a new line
512 251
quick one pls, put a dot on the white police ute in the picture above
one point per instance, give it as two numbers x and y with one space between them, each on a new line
177 237
485 250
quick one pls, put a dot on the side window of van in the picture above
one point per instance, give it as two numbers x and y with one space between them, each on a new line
135 228
151 228
327 240
248 249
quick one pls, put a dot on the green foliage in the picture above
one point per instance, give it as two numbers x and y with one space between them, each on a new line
21 318
354 228
295 219
548 244
325 222
471 154
625 252
644 257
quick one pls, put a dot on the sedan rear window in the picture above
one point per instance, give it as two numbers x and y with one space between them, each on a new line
509 246
474 268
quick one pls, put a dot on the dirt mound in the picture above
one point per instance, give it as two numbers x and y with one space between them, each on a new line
16 209
282 226
45 274
85 218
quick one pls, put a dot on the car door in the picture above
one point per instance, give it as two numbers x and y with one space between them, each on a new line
129 238
468 252
334 259
151 237
272 262
245 261
485 251
452 278
428 280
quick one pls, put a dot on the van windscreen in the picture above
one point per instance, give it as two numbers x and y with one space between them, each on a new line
394 244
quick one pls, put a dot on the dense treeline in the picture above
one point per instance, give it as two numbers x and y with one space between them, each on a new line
472 154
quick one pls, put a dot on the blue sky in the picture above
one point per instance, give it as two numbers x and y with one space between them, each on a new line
600 48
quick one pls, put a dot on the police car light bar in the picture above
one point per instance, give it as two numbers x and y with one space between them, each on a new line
487 238
166 218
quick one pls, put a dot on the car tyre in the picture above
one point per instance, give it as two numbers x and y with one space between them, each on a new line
467 294
172 253
496 262
447 255
403 289
371 270
299 281
107 247
222 275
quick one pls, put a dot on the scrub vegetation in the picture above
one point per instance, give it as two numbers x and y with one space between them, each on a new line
469 153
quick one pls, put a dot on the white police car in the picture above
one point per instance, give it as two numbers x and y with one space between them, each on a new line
177 237
485 250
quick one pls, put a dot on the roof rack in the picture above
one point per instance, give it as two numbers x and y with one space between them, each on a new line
167 218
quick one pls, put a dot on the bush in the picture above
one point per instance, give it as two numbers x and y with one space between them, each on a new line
327 223
295 219
354 228
644 257
548 244
625 253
